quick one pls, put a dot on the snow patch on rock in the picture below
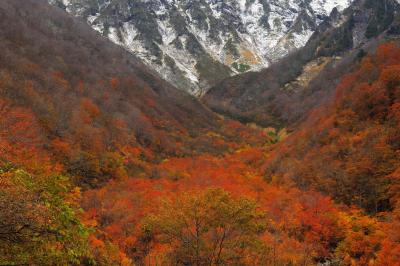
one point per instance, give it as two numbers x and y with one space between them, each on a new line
249 33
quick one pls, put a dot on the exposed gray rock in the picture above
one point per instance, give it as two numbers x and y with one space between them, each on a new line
196 43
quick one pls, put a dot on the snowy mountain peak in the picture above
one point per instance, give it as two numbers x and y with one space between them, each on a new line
195 44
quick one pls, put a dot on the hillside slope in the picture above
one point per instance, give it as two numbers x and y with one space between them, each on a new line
94 101
350 148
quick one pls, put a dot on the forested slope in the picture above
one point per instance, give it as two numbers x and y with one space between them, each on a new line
103 163
95 104
350 147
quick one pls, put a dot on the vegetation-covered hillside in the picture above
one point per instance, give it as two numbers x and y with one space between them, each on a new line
96 107
103 163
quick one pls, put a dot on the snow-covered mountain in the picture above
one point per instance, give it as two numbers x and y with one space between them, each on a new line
196 43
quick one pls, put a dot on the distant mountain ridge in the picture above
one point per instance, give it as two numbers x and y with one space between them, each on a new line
195 44
284 93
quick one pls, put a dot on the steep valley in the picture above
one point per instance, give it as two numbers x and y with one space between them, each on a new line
103 162
263 97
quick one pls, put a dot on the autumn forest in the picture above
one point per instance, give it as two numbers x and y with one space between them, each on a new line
104 163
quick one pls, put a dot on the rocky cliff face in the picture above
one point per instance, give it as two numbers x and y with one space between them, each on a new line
285 92
195 44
